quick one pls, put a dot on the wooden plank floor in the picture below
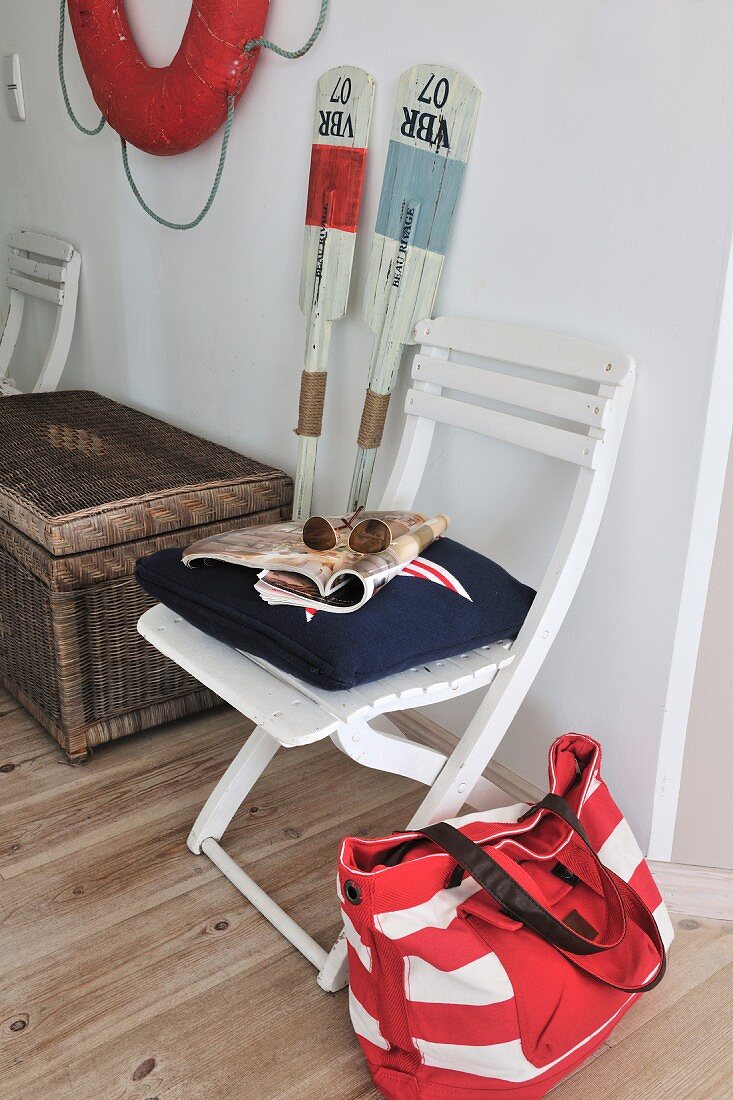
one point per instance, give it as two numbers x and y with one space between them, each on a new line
131 970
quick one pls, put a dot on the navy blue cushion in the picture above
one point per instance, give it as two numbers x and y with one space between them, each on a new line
410 621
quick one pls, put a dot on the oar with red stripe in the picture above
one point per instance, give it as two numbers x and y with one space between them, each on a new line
340 135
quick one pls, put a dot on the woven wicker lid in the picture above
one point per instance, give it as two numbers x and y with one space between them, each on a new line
79 471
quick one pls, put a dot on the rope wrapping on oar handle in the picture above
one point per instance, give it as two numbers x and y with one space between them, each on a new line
373 417
312 398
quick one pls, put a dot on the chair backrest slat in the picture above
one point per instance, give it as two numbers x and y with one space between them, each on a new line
583 408
545 438
46 291
572 414
526 347
24 265
41 244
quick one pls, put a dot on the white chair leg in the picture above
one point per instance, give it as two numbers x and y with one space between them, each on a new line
233 787
388 752
334 974
210 825
485 795
10 332
474 751
262 901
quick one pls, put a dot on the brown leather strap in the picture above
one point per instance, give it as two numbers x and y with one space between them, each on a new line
557 805
507 892
631 901
499 883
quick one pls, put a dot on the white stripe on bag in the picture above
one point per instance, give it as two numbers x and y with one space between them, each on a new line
664 924
481 982
503 1061
621 853
437 912
364 1024
353 937
504 815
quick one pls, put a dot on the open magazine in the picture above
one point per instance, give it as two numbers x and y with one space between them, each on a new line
338 579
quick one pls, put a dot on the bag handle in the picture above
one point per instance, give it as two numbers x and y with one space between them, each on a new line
632 903
501 885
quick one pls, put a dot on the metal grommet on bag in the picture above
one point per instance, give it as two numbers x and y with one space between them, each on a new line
352 892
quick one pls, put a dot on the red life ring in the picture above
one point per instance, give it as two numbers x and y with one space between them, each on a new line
173 109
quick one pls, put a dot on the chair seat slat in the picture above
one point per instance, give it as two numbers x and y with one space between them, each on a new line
584 408
292 710
477 660
286 713
556 442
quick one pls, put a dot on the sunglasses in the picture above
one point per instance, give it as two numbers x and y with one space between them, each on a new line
368 536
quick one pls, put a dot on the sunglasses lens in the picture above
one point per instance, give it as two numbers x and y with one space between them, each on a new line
318 534
370 536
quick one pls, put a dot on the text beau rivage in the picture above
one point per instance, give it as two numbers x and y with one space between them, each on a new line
433 124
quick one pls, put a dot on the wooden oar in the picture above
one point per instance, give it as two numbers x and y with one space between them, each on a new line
431 135
340 135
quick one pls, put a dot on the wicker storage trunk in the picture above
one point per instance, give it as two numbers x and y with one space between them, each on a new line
87 486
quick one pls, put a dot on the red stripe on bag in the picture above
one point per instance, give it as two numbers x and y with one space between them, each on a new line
361 983
441 1023
431 944
643 883
335 187
600 816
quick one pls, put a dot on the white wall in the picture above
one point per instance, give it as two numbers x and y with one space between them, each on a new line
597 202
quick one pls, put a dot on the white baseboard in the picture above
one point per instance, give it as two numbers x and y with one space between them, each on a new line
694 891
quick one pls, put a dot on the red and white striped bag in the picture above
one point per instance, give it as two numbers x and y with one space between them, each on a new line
493 954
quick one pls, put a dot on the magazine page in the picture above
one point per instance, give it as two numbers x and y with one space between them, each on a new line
380 568
280 547
292 590
349 589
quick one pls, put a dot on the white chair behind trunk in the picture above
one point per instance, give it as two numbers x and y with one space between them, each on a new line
42 267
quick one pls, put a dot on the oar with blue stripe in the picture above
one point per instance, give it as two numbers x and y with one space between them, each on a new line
431 136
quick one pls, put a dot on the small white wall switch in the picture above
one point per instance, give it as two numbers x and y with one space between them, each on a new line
14 86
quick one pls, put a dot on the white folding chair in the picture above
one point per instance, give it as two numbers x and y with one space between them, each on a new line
47 268
575 414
